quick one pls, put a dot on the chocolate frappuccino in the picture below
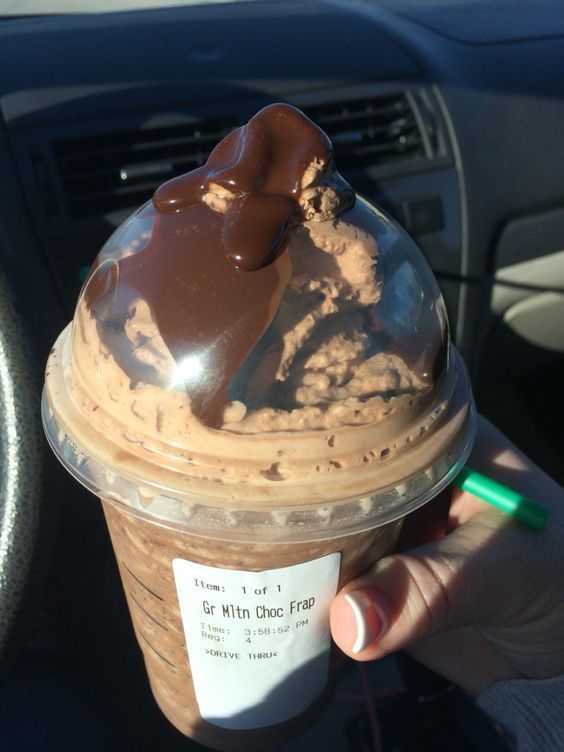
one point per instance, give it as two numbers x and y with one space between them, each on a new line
259 384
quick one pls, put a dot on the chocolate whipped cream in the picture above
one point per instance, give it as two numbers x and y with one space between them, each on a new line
214 278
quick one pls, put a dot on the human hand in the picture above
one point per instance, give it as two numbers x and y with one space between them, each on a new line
482 604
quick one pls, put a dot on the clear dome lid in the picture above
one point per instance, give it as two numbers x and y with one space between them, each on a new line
331 316
257 332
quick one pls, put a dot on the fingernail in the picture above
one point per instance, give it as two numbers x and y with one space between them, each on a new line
370 610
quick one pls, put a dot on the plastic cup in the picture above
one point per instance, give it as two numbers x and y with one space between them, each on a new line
233 529
145 549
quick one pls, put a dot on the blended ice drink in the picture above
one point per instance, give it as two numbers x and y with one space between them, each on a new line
259 384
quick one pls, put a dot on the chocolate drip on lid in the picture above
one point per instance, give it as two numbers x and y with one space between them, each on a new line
213 274
262 165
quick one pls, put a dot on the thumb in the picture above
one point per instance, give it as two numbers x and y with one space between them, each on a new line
409 597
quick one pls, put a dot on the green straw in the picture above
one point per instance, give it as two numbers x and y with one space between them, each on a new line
515 504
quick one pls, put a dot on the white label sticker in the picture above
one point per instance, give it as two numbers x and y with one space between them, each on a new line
258 642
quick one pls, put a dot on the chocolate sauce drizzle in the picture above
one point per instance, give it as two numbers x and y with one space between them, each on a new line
213 281
262 164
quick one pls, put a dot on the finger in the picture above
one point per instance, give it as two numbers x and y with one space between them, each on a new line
463 507
495 456
408 597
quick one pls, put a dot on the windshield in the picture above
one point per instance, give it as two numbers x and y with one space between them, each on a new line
40 7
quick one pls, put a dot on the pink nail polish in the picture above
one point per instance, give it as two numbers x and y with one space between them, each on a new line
370 610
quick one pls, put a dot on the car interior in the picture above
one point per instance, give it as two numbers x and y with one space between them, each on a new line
447 114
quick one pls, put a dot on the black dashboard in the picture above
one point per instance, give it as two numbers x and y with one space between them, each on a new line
450 117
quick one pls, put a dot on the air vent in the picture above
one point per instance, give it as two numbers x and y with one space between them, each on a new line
372 131
121 170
